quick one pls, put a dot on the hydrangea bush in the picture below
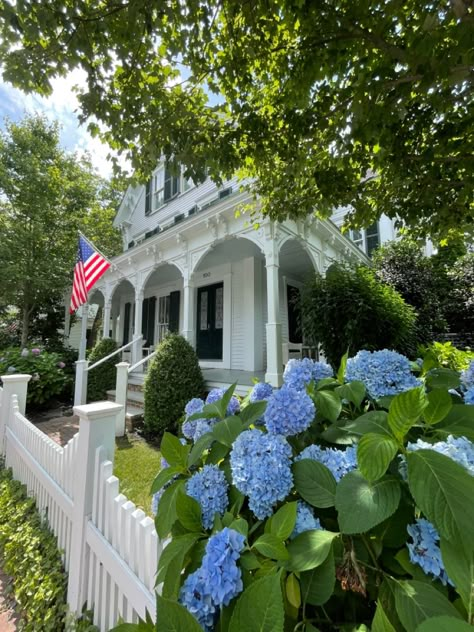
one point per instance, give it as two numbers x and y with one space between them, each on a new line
349 508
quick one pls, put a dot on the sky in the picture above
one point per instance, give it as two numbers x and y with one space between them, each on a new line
61 106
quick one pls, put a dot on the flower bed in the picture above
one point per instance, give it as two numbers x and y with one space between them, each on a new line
325 505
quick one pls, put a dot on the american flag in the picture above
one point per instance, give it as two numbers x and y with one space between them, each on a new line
90 266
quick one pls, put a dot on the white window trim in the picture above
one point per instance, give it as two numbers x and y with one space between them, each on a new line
181 192
362 242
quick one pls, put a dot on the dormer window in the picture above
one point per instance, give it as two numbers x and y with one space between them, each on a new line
164 186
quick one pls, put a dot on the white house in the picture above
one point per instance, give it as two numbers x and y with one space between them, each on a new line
193 263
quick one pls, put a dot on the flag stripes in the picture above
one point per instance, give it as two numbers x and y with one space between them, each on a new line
90 266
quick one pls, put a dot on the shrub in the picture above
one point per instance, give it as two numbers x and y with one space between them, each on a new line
103 378
30 555
173 378
446 355
49 378
363 520
402 265
350 309
460 306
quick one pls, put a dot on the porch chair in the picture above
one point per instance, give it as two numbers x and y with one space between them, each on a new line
292 350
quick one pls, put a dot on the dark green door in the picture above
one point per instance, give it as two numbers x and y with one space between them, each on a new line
210 321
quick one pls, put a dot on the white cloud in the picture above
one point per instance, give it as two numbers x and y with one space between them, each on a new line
62 105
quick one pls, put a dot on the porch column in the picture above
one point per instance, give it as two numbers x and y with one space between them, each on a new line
106 318
137 330
273 327
188 311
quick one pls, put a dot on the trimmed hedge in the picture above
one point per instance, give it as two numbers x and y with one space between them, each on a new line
102 378
174 377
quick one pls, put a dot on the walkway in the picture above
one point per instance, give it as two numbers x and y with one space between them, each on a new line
59 427
9 618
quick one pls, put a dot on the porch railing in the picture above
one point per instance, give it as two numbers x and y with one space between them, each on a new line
121 389
83 368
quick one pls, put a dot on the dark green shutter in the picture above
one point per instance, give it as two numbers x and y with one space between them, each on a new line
174 312
145 320
126 322
148 198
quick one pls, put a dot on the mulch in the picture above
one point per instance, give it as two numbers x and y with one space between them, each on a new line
9 616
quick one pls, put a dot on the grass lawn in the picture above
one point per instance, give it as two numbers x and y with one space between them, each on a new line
136 465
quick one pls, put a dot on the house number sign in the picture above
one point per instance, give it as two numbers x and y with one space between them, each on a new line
206 275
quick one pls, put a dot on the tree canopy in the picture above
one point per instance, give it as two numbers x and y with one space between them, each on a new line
46 195
357 103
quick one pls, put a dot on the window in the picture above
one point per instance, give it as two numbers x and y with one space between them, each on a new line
164 185
367 239
163 316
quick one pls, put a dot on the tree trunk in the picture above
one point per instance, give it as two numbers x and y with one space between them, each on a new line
25 326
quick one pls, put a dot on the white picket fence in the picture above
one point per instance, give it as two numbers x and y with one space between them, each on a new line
110 548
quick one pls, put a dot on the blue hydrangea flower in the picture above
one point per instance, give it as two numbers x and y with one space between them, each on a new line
217 394
261 469
383 372
224 577
459 449
209 488
425 550
289 412
195 596
299 373
194 406
467 376
217 581
305 520
155 501
339 462
261 391
469 396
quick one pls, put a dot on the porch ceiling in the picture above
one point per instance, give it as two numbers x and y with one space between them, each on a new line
295 261
229 251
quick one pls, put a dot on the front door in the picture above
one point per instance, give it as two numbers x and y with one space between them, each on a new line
210 320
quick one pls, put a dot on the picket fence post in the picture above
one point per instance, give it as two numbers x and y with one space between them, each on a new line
16 384
97 424
121 389
80 387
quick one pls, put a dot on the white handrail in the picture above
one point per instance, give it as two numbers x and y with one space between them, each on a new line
143 361
111 355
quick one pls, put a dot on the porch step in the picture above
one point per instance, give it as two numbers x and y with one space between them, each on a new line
134 398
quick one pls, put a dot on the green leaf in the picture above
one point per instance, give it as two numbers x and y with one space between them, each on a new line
405 410
309 549
189 512
443 378
164 477
458 422
249 561
252 412
315 483
381 622
171 560
134 627
202 444
353 392
362 505
373 421
443 490
224 402
283 521
418 601
166 515
459 565
227 431
374 454
444 624
293 591
241 525
173 617
174 451
259 608
271 546
328 404
439 405
341 372
317 584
